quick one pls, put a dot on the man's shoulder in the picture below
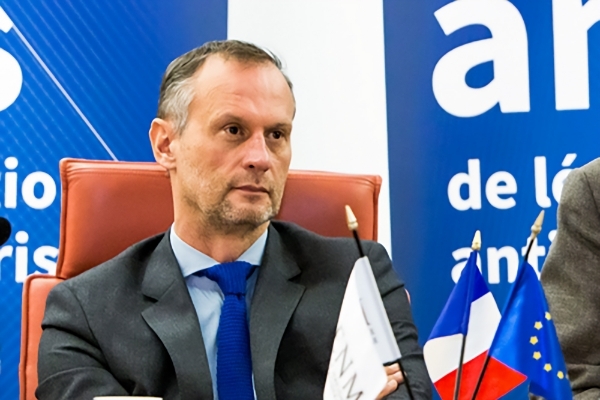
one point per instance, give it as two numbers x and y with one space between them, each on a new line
124 270
592 168
590 171
298 238
582 184
292 232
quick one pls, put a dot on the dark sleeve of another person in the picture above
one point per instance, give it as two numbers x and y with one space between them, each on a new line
70 364
398 309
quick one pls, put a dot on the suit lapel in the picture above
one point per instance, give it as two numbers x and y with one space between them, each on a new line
274 301
174 320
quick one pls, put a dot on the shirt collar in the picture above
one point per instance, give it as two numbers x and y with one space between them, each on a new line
191 260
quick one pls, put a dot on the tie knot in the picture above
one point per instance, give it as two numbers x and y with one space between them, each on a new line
231 277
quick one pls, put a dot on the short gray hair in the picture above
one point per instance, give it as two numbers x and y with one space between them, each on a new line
176 89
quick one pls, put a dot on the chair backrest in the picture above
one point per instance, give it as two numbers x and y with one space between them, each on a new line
108 206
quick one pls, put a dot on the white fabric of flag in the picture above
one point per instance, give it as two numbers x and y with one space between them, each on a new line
470 310
370 300
364 339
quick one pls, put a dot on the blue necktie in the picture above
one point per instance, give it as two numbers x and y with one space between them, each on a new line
234 361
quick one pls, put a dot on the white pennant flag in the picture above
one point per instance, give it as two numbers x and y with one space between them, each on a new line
364 340
377 319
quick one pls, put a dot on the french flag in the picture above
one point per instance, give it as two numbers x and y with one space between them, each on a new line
471 310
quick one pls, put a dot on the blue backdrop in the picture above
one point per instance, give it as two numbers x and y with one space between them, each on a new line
472 80
79 60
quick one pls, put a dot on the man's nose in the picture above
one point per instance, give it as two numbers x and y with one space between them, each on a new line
257 155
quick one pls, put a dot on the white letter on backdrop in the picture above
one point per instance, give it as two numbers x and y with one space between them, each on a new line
472 179
571 23
494 256
507 48
11 76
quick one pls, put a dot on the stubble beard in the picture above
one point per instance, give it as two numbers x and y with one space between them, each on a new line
226 217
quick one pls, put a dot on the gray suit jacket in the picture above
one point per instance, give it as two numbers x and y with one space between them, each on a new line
128 326
571 279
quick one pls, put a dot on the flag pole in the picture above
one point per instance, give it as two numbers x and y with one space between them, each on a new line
353 227
475 246
536 228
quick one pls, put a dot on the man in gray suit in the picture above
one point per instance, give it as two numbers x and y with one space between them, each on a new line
146 322
571 279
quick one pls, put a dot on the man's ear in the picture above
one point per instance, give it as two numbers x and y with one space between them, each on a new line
162 138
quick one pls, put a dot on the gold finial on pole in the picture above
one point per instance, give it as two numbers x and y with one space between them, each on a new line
536 228
476 245
353 226
351 219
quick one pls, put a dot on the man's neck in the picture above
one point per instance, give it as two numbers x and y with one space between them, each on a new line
220 246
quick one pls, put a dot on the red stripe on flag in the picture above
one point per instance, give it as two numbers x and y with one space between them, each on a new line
499 380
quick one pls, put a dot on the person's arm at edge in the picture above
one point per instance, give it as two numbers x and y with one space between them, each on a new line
570 277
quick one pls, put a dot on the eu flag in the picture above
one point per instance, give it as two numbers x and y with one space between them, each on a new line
526 339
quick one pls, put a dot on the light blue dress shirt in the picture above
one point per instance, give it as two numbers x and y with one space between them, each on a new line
206 294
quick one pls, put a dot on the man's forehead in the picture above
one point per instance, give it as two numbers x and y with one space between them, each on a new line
219 76
218 67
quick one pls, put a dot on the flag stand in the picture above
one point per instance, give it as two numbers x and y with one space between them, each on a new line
475 246
353 226
536 228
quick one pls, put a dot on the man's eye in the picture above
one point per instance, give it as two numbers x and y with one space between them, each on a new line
234 130
277 135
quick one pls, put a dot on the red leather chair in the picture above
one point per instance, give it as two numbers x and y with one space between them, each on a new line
107 206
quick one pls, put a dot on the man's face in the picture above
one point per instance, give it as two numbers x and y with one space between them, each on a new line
232 158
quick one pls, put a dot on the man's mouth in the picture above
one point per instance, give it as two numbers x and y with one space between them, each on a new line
252 189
